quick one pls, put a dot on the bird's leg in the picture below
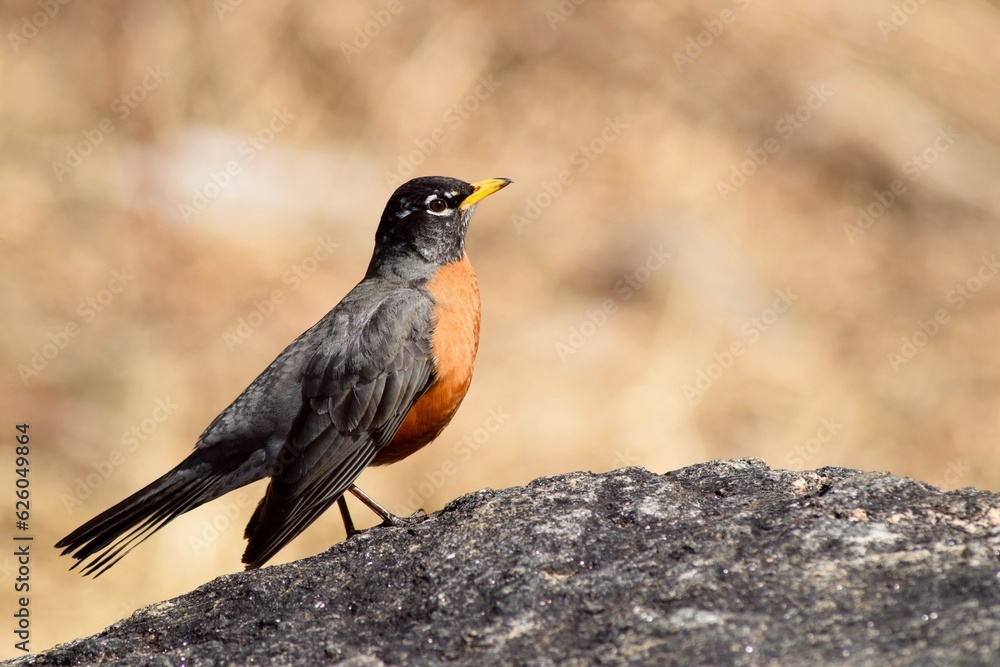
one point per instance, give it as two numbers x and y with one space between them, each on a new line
346 516
388 518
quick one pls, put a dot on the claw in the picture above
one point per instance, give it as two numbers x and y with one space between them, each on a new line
388 518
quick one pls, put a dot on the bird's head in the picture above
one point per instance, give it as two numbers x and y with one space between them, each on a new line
426 219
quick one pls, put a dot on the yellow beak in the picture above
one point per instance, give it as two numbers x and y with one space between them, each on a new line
482 190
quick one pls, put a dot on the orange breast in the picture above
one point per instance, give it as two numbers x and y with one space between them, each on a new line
454 344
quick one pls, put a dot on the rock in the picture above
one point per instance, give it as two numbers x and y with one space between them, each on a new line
725 563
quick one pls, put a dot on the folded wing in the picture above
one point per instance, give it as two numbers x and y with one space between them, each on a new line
354 399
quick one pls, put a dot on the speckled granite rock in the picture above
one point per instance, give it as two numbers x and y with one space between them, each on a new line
725 563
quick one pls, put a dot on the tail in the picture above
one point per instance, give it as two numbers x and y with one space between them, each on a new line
203 476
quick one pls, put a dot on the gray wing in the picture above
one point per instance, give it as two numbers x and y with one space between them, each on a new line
354 398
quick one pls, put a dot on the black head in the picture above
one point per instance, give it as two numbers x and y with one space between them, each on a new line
426 219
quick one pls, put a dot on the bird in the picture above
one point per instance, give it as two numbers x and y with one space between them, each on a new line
374 380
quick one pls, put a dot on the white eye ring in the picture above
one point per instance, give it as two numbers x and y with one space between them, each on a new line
434 204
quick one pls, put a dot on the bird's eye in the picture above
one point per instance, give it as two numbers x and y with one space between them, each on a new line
437 205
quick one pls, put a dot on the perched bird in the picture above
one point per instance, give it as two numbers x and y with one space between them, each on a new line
376 379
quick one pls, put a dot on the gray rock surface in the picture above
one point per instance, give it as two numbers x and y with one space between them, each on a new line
725 563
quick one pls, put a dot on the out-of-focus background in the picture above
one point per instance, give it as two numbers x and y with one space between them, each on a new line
737 229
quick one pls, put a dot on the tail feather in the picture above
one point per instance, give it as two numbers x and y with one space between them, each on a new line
117 540
109 536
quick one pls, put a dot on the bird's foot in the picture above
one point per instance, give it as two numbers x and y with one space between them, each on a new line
390 520
346 516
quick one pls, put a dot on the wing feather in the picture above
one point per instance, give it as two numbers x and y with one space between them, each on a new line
354 399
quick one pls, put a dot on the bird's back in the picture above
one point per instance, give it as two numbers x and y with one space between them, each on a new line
265 410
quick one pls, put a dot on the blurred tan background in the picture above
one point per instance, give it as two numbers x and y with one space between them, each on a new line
737 229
